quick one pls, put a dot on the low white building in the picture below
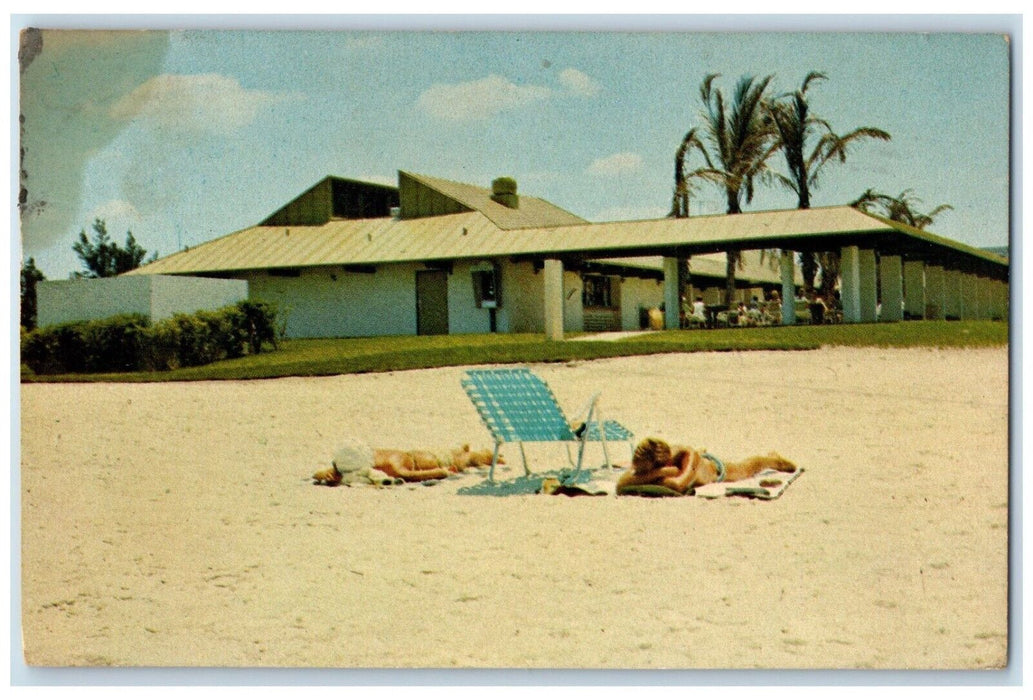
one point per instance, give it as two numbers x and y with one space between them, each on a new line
154 296
432 256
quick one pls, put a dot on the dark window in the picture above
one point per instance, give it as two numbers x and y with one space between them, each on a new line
285 272
598 292
354 200
486 289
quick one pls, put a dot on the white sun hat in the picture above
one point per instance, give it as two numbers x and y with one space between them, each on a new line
353 456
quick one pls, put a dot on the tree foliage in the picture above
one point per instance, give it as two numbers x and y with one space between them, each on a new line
735 141
808 144
902 208
102 257
30 275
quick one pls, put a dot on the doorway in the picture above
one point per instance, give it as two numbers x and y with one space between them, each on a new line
432 302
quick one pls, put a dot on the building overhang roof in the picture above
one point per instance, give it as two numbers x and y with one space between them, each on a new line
472 235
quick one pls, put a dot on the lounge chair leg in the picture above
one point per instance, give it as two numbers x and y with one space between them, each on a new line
580 458
494 461
523 456
602 438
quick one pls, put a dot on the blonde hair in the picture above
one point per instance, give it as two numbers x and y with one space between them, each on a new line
650 454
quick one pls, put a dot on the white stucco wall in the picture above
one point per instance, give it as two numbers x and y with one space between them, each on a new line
573 311
154 296
172 295
463 314
637 293
64 301
522 298
327 302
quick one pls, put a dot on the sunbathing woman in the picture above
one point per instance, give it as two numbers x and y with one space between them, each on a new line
420 465
411 465
684 468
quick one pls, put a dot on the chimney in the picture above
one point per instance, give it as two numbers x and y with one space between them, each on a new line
504 191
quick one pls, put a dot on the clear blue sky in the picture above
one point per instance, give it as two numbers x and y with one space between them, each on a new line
186 136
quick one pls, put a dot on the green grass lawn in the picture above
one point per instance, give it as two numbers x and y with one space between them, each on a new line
353 355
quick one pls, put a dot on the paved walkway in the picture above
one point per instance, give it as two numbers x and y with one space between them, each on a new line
611 335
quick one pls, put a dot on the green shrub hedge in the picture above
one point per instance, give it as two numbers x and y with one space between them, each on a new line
128 343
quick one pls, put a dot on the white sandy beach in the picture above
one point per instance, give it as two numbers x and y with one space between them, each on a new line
176 524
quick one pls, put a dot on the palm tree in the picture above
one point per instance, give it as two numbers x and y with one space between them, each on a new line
809 144
735 141
900 208
683 187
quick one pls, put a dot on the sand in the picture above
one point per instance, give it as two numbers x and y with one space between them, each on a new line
176 524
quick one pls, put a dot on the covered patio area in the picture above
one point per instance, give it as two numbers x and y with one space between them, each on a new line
888 271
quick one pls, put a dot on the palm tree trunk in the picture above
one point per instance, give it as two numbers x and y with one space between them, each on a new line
809 270
733 256
829 274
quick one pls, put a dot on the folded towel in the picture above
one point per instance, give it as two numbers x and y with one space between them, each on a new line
648 491
767 485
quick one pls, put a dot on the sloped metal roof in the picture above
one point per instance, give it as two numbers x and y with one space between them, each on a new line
475 235
753 269
532 212
339 242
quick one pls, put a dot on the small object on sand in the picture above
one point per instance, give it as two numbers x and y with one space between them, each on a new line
327 477
554 487
771 483
549 486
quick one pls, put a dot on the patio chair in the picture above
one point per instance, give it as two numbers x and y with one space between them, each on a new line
517 406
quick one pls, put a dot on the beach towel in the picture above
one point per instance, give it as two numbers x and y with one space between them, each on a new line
767 486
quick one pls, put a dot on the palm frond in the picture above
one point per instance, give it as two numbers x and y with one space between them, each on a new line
786 182
811 77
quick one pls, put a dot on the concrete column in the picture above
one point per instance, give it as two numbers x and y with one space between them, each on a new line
850 287
553 289
891 275
985 298
869 285
787 268
935 293
672 302
969 297
993 300
983 295
952 293
914 288
962 304
1000 296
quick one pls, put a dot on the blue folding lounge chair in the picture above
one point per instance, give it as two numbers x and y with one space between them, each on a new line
517 406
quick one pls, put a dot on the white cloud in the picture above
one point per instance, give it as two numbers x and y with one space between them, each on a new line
116 212
208 102
478 99
615 164
578 83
